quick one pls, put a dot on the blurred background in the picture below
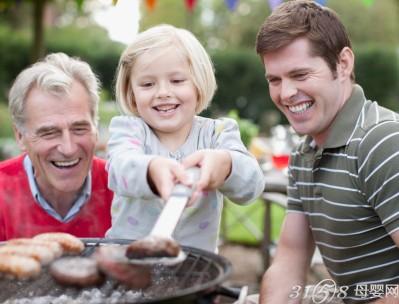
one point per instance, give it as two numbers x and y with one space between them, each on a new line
97 31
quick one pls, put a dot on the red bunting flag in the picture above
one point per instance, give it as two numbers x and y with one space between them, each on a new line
150 4
190 4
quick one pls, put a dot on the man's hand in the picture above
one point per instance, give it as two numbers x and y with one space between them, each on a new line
163 174
215 169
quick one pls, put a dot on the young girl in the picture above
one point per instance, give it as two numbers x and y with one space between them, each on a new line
165 78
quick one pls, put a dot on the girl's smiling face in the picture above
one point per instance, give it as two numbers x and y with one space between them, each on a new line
165 95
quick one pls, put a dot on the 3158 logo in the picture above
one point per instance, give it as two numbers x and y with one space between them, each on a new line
324 292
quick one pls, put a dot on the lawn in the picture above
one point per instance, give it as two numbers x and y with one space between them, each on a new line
248 229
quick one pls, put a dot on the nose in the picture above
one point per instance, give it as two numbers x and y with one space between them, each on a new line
163 90
67 145
288 90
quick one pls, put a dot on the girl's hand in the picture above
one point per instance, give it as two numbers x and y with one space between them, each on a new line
163 174
215 169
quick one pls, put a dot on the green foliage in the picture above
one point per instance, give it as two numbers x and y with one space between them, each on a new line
377 70
90 44
241 84
240 73
377 23
107 110
6 126
14 56
248 129
94 47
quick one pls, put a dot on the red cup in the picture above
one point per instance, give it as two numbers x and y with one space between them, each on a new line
280 161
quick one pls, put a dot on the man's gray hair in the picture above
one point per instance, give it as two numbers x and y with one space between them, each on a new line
55 75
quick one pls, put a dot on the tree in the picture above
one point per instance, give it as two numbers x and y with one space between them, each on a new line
38 8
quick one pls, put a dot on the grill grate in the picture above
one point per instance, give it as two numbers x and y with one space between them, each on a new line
200 272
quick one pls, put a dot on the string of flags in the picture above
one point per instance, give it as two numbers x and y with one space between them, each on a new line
232 4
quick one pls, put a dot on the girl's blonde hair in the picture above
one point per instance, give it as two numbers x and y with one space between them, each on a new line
164 36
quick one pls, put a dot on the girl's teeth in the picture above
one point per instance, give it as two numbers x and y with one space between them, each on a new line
166 108
66 163
300 108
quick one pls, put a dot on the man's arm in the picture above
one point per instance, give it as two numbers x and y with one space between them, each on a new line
285 279
390 300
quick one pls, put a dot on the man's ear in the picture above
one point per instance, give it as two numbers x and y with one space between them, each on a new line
346 63
19 137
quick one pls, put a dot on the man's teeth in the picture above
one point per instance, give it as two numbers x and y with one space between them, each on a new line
166 108
300 108
66 163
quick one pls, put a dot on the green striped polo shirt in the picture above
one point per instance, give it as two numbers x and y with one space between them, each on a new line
349 189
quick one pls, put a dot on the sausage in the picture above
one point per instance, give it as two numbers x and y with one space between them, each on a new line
153 247
53 246
69 243
20 267
76 271
112 261
40 253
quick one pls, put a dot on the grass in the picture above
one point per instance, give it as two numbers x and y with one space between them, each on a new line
244 224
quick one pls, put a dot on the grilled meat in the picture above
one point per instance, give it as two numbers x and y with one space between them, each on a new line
113 262
153 247
76 271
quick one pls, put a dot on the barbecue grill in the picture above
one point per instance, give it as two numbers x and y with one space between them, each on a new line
196 280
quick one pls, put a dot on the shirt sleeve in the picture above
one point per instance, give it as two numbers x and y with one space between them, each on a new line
246 181
127 164
378 161
294 203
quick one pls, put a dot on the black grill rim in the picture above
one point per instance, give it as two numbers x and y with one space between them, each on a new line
224 266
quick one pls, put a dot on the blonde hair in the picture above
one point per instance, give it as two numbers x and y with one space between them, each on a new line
54 74
164 36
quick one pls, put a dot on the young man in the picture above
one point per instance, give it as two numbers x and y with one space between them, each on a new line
56 184
342 194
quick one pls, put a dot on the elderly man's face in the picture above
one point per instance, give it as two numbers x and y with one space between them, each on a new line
59 136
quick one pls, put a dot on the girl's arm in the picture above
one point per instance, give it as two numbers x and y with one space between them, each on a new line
127 163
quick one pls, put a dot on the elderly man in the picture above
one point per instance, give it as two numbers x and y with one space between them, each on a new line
342 193
57 184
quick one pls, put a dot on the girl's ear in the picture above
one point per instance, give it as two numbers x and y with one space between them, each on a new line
346 63
19 137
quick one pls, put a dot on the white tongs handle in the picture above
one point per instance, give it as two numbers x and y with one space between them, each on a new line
171 212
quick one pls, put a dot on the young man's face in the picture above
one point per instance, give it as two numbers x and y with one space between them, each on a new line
60 137
304 89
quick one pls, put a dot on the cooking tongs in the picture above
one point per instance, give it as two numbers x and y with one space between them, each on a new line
169 217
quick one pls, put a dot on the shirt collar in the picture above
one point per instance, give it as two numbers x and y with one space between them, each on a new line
80 201
344 123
